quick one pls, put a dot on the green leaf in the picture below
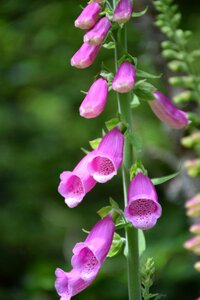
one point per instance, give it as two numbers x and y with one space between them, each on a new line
160 180
116 246
113 203
104 211
140 13
144 74
112 123
110 45
135 140
142 241
95 143
135 101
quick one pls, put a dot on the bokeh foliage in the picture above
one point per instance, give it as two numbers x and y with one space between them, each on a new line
41 135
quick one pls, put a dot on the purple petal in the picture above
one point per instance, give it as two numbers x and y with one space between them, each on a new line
143 208
97 34
95 100
108 157
85 56
124 79
123 11
88 17
167 112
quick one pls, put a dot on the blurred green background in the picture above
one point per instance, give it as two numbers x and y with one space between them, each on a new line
41 135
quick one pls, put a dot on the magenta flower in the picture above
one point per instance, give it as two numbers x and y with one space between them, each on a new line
124 79
89 256
123 11
85 56
143 208
97 34
108 156
95 100
87 260
167 112
74 185
89 16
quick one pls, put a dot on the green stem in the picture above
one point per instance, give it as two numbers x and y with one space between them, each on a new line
124 108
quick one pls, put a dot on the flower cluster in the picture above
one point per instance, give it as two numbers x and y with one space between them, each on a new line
101 164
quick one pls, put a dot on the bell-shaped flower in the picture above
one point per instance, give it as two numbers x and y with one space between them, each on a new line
85 56
89 255
123 11
87 260
108 156
143 208
69 284
167 112
124 79
74 185
95 100
89 16
97 34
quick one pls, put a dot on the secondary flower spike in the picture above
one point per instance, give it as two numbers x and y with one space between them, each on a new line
108 156
123 11
97 34
95 100
85 56
167 112
74 185
87 260
124 79
143 208
89 16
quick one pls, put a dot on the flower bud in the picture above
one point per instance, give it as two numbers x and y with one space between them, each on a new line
193 202
192 243
89 16
167 112
85 56
197 267
95 100
193 167
190 140
195 228
97 34
183 97
123 11
124 79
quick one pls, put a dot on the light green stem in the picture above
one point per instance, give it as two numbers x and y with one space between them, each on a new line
124 108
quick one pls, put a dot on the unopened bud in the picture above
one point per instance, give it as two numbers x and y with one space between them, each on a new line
195 228
193 167
190 140
192 243
197 267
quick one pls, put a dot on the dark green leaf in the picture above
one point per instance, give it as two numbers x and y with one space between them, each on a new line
160 180
140 13
144 74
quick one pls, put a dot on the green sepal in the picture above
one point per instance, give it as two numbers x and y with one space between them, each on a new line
160 180
95 143
116 246
135 102
112 123
109 45
104 211
144 90
147 75
141 13
128 57
137 167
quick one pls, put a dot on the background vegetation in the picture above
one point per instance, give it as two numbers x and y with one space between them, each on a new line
41 135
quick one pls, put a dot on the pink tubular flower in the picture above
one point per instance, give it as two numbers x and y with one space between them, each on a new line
74 185
95 100
85 56
89 16
167 112
87 260
123 11
97 34
124 79
108 156
89 256
143 208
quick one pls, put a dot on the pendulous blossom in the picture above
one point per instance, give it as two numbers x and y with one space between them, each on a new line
124 79
143 208
123 11
97 34
85 56
95 100
108 156
87 260
89 16
74 185
167 112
